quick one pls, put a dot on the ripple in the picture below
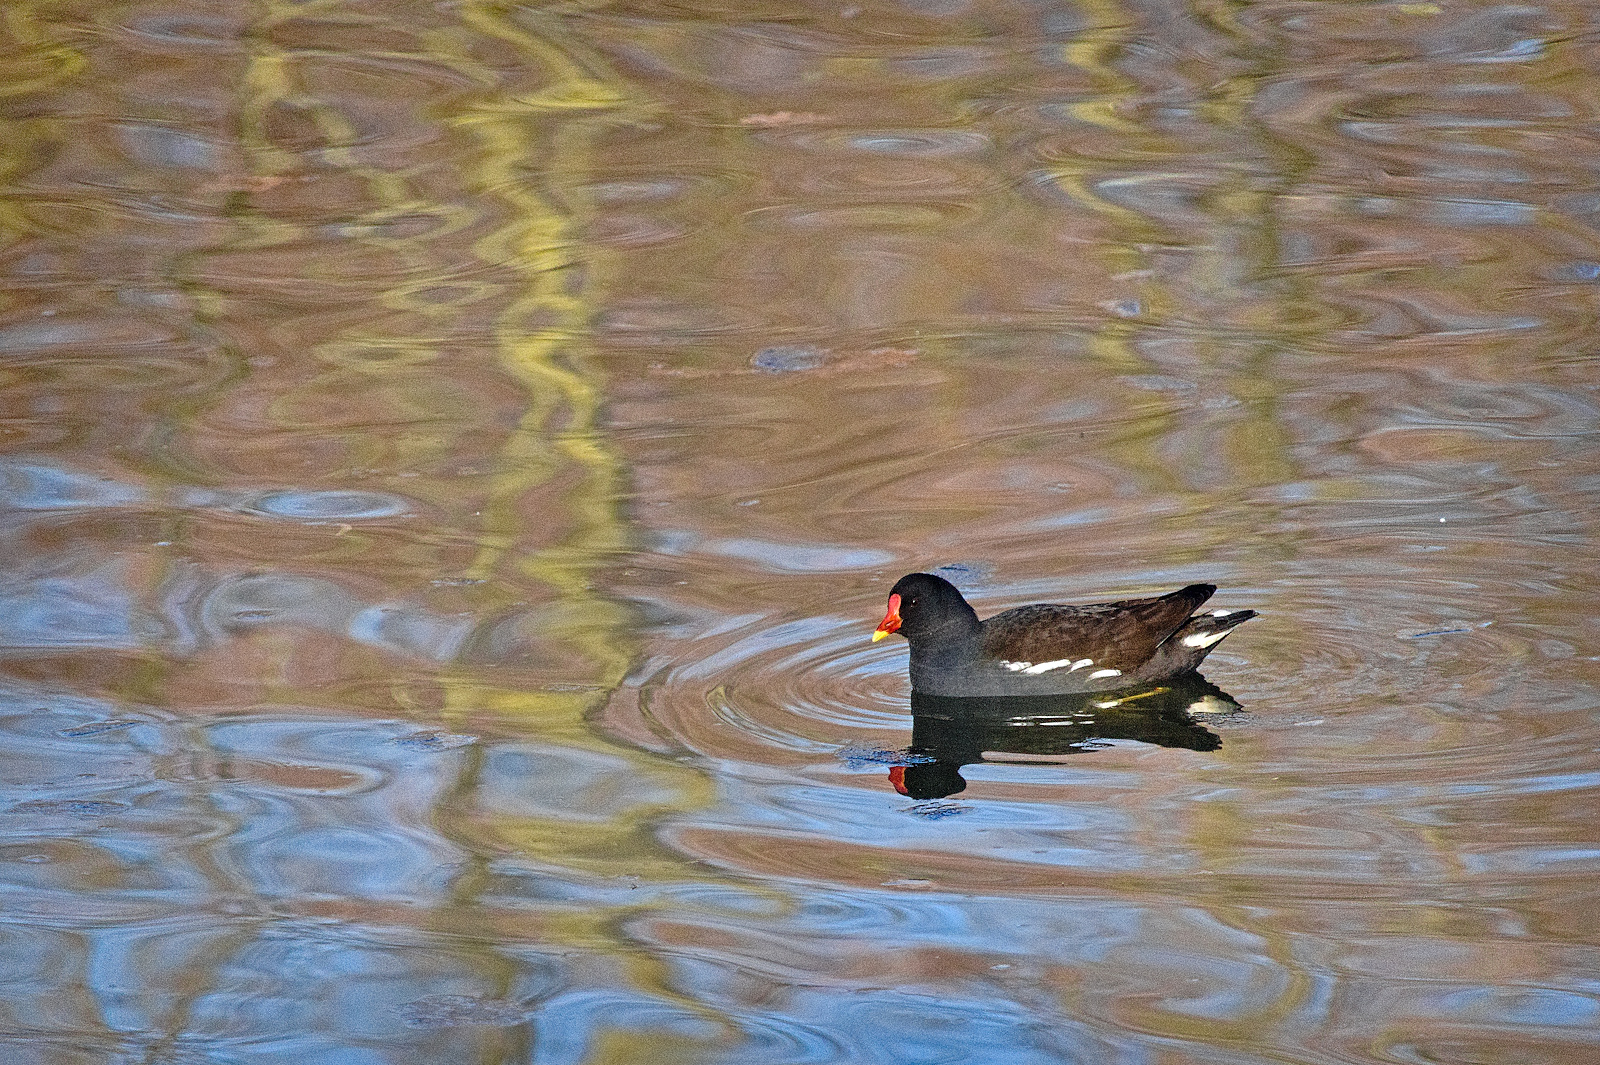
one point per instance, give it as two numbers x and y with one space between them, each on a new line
854 217
93 609
70 807
915 143
800 686
168 146
789 358
40 341
946 185
569 784
452 1011
435 741
189 30
344 505
784 1039
96 728
652 187
788 557
39 486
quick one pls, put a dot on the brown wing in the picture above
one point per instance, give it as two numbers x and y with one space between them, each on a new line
1113 635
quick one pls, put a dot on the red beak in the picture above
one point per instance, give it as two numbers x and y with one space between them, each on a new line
897 777
891 620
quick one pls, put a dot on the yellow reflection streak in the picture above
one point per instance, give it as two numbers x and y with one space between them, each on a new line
527 145
540 338
534 153
1095 50
1112 344
30 62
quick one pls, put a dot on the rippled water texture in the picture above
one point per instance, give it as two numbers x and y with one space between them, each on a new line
452 457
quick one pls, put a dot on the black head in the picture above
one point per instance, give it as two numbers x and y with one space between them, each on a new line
922 605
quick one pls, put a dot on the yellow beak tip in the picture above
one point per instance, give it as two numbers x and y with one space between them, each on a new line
878 635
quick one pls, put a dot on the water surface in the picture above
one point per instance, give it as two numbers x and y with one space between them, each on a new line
452 460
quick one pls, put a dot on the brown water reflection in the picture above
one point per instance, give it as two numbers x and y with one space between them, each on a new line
451 460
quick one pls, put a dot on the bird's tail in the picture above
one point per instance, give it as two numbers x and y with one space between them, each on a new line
1204 631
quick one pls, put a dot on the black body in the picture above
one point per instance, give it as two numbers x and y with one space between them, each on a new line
1050 649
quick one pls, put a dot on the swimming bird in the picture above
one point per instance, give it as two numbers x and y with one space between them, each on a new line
1049 649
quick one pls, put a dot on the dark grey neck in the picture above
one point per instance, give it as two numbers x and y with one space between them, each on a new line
953 641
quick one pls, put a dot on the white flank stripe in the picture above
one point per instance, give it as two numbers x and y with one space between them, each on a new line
1097 674
1045 667
1014 666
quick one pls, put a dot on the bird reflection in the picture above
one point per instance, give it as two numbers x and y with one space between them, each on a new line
948 733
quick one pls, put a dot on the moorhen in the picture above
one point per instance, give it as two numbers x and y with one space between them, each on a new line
1048 649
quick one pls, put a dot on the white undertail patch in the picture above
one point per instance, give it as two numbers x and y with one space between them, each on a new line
1204 639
